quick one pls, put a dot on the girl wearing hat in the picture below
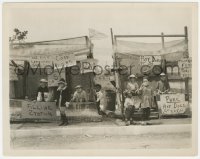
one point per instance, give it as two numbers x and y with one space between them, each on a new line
147 98
133 87
62 100
42 91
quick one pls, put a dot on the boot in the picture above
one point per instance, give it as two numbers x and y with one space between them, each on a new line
66 121
62 120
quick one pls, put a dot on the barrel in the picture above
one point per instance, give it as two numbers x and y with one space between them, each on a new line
110 100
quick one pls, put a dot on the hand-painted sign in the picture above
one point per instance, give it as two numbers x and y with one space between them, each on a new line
185 66
172 104
150 60
54 77
38 110
64 60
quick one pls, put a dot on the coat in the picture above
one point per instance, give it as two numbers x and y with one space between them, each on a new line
65 94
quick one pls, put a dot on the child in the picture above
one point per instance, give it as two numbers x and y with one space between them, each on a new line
99 99
129 108
147 98
63 98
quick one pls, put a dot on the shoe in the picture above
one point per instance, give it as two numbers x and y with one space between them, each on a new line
61 124
66 123
127 123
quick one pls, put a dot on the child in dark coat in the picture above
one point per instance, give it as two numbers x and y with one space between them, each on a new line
62 98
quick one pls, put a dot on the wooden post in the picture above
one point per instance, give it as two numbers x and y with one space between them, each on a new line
116 65
25 79
186 55
163 41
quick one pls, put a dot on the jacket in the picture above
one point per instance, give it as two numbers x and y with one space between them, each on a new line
65 94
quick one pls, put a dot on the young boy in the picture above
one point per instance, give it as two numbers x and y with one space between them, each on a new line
129 108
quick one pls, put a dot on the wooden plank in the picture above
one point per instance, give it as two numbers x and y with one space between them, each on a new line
146 36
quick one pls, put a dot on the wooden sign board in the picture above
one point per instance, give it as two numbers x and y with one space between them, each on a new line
172 104
38 110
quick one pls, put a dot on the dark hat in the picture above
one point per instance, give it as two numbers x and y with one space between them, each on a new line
62 81
98 85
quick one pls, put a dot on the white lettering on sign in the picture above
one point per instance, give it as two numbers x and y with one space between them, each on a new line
150 60
185 66
38 110
172 104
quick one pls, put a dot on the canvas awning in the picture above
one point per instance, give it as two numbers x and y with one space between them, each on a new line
78 46
138 48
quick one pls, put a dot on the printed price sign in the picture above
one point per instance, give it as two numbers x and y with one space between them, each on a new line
172 104
38 110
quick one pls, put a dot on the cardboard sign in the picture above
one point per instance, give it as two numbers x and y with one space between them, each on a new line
150 60
172 104
54 77
64 60
38 110
88 65
185 67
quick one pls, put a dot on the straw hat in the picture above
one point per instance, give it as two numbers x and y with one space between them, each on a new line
132 76
78 86
162 74
44 81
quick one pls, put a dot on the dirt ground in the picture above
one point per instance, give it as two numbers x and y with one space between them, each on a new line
150 141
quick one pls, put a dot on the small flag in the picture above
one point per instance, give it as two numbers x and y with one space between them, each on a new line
96 35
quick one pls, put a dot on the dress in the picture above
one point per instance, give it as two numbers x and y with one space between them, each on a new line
133 87
147 97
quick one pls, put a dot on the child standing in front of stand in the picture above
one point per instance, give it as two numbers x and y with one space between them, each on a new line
63 98
147 98
129 108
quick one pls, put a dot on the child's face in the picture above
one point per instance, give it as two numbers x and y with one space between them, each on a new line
145 82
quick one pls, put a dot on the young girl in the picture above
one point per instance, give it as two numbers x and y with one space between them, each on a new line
129 108
147 98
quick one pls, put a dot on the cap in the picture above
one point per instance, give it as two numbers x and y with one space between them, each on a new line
44 80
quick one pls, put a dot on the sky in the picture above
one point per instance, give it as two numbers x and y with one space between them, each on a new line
60 21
